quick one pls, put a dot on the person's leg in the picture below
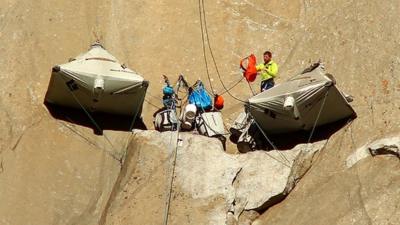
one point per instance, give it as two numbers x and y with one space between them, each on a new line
270 84
267 84
263 85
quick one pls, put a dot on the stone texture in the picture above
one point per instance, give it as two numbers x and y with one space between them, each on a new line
385 146
217 186
60 178
57 172
363 194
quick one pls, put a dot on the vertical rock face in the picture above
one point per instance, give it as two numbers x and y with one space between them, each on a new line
58 172
52 171
364 194
61 178
209 186
385 146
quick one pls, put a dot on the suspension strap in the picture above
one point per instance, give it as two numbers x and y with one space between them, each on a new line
272 144
72 87
319 113
139 107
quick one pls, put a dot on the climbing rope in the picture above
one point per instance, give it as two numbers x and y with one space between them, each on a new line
319 113
234 85
87 139
272 144
93 121
204 30
139 108
204 47
251 88
152 104
312 131
171 182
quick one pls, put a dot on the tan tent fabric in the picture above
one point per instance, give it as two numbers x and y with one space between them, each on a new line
119 89
311 92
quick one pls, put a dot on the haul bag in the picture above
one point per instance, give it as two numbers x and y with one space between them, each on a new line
250 71
200 98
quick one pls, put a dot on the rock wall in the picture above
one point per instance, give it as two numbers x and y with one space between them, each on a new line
360 191
58 172
209 186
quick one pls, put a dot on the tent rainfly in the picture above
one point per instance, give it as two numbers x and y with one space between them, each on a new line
96 81
305 100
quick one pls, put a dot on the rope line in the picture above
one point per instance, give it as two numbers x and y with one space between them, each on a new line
251 88
139 108
204 47
203 19
234 85
271 143
87 139
175 152
152 104
90 117
312 131
316 120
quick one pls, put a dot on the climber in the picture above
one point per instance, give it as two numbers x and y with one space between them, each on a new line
268 71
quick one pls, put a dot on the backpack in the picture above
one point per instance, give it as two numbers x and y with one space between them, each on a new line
200 98
166 120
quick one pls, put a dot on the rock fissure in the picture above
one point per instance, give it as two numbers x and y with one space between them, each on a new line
236 176
68 176
1 166
15 146
305 156
384 146
118 184
386 150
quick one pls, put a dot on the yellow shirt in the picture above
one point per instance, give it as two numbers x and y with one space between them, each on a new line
268 70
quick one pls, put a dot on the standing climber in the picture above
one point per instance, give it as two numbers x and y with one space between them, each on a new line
268 71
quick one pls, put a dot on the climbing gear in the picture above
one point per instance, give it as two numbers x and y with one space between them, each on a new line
206 40
168 90
166 120
200 97
250 71
218 102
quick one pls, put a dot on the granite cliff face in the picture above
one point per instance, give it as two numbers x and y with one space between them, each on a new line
56 171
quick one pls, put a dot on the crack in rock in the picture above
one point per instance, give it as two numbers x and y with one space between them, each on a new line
301 159
385 146
386 150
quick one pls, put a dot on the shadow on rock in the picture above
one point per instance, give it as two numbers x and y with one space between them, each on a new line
287 141
102 121
290 140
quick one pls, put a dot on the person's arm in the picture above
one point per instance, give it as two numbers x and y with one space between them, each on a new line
272 70
260 67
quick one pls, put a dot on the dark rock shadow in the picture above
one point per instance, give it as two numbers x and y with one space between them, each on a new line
105 121
290 140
